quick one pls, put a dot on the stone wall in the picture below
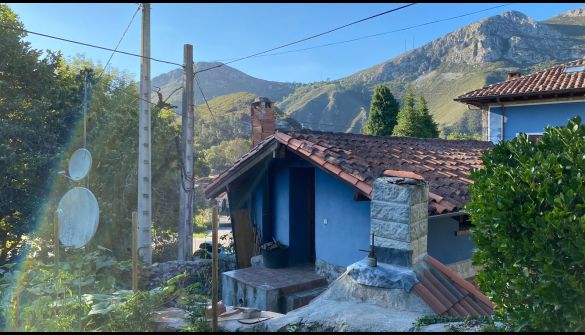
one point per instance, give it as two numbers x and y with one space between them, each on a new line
197 270
329 271
399 220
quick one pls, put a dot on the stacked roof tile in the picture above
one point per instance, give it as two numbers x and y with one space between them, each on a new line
447 293
360 159
553 80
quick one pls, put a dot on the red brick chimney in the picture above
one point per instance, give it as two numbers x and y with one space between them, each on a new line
514 75
263 119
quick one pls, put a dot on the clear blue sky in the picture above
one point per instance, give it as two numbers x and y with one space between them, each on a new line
224 31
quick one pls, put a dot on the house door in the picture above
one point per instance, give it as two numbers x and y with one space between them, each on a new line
302 215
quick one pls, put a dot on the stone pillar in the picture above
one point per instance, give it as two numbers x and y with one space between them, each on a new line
399 220
263 119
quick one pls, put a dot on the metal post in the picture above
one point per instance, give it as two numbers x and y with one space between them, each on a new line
214 269
186 191
134 252
144 145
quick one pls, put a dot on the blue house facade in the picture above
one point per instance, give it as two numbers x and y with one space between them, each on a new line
315 192
528 104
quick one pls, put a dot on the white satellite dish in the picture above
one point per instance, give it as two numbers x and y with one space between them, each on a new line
78 214
79 164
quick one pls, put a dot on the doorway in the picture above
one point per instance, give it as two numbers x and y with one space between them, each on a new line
302 216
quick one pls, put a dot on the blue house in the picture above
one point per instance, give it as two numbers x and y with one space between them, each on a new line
325 194
315 192
527 104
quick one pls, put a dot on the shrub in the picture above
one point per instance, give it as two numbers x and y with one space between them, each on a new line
528 208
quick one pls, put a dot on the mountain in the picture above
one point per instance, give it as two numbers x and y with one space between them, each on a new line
478 54
217 82
468 58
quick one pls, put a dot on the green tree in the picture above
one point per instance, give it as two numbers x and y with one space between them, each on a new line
383 111
407 120
39 103
415 121
429 127
528 211
223 155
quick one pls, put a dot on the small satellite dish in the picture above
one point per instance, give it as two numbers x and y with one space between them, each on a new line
78 214
79 164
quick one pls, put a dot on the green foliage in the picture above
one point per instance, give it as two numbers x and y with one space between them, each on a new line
196 300
415 121
466 321
202 221
223 155
39 103
383 112
41 126
429 128
164 245
458 136
528 208
469 124
87 295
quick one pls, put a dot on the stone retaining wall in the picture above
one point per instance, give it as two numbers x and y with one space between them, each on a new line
197 270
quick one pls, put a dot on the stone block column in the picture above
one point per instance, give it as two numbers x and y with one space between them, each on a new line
399 220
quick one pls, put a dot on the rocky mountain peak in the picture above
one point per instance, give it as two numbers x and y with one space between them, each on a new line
578 12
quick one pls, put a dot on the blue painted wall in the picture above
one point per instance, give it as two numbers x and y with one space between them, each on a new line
348 222
531 118
442 243
281 197
281 204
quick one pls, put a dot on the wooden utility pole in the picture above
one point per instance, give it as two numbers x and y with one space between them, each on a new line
144 145
214 268
186 191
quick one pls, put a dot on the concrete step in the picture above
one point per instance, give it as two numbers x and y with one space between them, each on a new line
300 299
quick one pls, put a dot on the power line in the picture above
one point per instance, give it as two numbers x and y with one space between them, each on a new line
88 45
204 98
120 41
375 35
307 38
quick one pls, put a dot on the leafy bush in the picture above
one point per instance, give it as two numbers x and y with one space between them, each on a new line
164 245
528 207
202 220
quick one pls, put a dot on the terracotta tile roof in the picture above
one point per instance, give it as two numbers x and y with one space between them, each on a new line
447 293
550 81
360 159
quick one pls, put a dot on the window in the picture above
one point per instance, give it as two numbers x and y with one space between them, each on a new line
571 69
532 137
464 225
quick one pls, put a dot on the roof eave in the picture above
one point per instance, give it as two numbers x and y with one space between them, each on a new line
495 99
219 185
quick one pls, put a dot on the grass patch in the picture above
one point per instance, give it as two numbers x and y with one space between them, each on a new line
468 321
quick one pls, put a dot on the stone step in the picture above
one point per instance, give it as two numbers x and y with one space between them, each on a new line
300 299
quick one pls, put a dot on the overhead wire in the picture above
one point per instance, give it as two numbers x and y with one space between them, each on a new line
204 98
119 42
375 35
88 44
307 38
